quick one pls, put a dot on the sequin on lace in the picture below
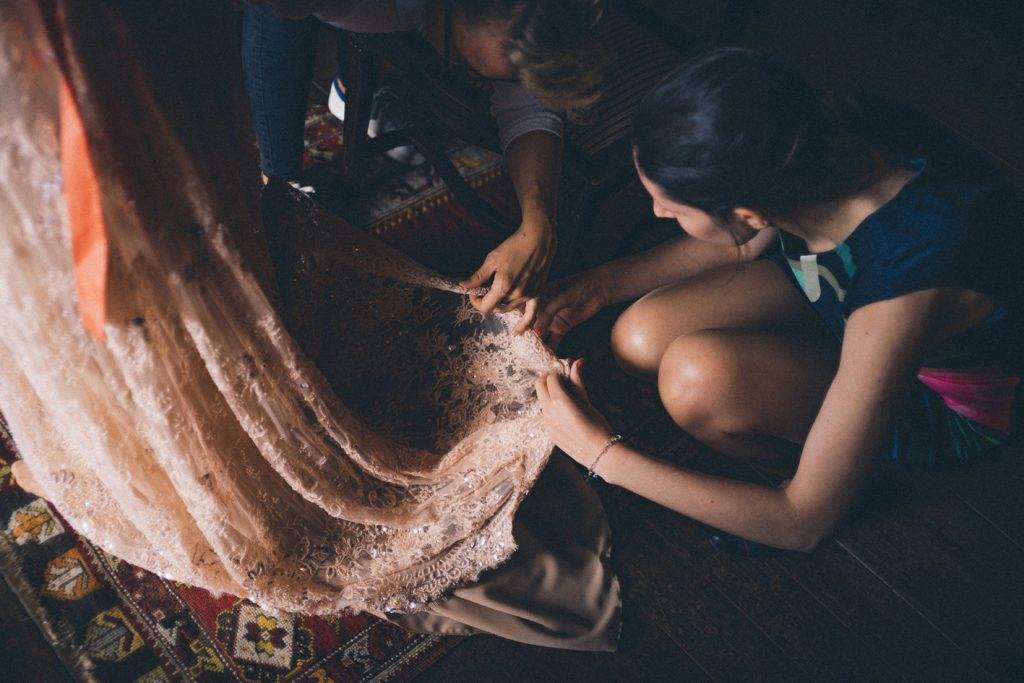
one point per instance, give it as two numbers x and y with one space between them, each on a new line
346 434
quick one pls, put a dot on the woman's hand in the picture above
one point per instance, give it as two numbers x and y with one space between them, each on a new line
567 303
572 422
519 268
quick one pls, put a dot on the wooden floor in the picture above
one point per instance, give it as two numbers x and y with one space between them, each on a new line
924 582
25 655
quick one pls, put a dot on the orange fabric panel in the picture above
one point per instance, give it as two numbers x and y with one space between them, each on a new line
89 247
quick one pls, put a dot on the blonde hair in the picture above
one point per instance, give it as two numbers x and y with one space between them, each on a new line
553 47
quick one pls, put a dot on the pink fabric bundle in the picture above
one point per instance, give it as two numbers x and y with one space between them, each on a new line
984 395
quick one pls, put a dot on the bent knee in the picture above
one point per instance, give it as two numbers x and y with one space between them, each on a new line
698 378
636 340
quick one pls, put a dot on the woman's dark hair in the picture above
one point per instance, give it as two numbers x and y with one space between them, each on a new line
733 128
552 45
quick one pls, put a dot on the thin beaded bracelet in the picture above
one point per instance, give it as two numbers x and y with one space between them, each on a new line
591 474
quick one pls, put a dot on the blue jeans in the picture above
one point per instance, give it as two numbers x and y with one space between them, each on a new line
278 59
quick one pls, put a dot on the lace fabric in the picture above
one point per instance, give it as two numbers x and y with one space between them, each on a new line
356 438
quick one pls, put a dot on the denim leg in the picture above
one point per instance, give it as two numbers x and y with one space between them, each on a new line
278 58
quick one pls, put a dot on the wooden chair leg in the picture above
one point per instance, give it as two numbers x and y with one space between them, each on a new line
466 195
362 70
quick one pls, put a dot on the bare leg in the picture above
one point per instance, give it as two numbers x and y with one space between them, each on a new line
742 362
748 295
745 392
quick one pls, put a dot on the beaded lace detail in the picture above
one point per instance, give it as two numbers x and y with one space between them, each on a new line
332 429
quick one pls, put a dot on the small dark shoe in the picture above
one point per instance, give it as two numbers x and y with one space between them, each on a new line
734 545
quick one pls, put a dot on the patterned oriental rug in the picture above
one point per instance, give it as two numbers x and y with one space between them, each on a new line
111 621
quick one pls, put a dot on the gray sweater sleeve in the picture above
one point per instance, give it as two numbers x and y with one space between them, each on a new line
515 109
518 111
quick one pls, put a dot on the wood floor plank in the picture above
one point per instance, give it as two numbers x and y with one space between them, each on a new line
863 594
669 589
25 655
797 625
994 488
795 617
487 658
648 654
898 635
950 563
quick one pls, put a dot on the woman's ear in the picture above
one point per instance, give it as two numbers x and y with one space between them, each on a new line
755 219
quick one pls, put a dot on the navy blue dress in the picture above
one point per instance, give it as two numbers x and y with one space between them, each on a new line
938 231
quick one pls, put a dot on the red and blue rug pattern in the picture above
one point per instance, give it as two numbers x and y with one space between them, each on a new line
112 621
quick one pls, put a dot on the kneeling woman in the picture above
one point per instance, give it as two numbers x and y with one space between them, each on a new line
888 320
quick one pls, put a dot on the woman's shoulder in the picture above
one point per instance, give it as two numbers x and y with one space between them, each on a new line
942 205
940 231
921 216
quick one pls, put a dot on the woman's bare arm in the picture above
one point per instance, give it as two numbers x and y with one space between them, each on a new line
882 345
633 276
570 301
518 267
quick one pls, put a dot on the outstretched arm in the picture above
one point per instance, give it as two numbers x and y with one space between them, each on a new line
882 346
633 276
568 302
518 268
